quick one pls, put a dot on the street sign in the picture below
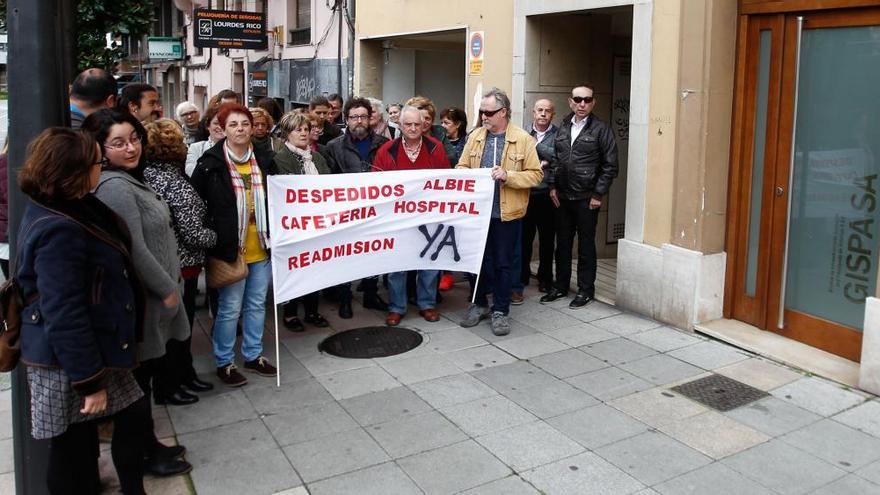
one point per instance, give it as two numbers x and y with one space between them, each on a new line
230 29
476 47
164 49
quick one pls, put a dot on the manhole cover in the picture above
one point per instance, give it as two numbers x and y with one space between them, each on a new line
720 393
371 342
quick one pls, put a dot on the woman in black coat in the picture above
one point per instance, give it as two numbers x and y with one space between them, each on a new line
81 319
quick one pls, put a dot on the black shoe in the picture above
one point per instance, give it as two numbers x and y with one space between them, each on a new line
580 301
197 385
345 310
545 287
376 303
553 295
317 320
178 398
294 325
164 452
172 467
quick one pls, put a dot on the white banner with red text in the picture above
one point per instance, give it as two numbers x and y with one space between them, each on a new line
330 229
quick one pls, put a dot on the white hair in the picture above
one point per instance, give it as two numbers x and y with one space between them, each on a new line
377 106
183 108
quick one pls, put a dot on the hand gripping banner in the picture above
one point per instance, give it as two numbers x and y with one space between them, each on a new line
329 229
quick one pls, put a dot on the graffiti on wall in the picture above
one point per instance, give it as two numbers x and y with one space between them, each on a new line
306 86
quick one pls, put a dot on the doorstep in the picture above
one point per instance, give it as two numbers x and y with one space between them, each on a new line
784 350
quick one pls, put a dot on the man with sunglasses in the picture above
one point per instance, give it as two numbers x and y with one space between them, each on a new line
586 163
510 152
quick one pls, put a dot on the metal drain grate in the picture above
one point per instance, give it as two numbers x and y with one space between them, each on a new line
720 393
371 342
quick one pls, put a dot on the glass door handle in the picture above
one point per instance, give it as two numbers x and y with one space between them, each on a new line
779 191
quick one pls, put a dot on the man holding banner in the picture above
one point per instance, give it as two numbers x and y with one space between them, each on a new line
510 154
413 151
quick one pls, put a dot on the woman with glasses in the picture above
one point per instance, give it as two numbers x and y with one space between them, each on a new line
230 178
154 252
79 343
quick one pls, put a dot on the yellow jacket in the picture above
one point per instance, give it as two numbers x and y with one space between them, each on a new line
518 158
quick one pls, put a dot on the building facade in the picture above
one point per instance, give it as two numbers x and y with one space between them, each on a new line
737 201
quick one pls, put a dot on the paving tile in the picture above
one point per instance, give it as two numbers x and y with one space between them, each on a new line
546 319
715 478
294 395
383 479
709 355
568 363
451 390
7 482
661 369
580 334
484 416
759 373
335 454
618 351
591 312
794 471
5 425
819 396
304 344
248 438
514 376
665 339
840 445
454 340
308 423
865 417
352 383
714 434
422 368
580 474
300 490
773 416
596 426
626 324
267 473
387 405
517 329
553 399
639 457
658 406
464 465
531 346
325 364
871 472
529 445
421 350
512 485
7 461
208 412
848 485
609 383
478 358
290 369
415 434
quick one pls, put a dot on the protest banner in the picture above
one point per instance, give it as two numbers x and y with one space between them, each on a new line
330 229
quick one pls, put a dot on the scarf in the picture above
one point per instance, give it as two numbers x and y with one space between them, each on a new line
257 194
309 167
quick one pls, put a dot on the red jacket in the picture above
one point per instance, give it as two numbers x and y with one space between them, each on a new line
392 156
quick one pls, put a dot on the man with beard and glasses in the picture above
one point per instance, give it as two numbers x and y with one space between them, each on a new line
354 152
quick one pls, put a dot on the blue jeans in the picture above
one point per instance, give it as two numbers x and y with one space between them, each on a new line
246 297
426 290
516 282
495 274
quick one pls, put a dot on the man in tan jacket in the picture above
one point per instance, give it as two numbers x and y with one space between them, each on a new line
510 152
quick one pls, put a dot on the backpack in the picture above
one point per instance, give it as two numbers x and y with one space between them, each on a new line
11 304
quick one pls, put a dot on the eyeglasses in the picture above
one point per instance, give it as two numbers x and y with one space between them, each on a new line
187 114
490 113
134 141
584 99
103 162
358 117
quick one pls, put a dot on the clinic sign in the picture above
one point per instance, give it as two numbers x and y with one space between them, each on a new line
476 47
230 29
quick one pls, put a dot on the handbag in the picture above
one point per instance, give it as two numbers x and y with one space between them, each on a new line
11 304
219 273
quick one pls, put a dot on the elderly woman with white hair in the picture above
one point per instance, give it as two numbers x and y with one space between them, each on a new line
377 120
188 116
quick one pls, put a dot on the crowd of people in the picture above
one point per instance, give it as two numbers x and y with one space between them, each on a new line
128 208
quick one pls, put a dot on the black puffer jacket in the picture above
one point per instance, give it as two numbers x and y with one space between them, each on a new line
587 167
343 157
212 181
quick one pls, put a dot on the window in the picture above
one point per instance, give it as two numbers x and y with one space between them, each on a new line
299 18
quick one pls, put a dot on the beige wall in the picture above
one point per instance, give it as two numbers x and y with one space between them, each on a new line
383 18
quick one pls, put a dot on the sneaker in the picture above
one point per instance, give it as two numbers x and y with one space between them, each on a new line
500 323
516 298
446 281
474 315
230 376
261 367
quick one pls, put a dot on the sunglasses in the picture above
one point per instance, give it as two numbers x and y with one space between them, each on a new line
584 99
490 113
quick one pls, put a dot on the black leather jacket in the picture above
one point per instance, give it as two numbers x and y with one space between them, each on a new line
587 167
343 157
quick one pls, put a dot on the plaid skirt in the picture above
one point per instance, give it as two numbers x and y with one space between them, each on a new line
55 405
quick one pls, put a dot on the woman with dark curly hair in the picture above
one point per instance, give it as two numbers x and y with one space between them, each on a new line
165 154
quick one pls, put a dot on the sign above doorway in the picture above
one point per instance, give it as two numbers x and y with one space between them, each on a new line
476 48
230 29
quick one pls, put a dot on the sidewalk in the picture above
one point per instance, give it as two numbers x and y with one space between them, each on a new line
570 402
